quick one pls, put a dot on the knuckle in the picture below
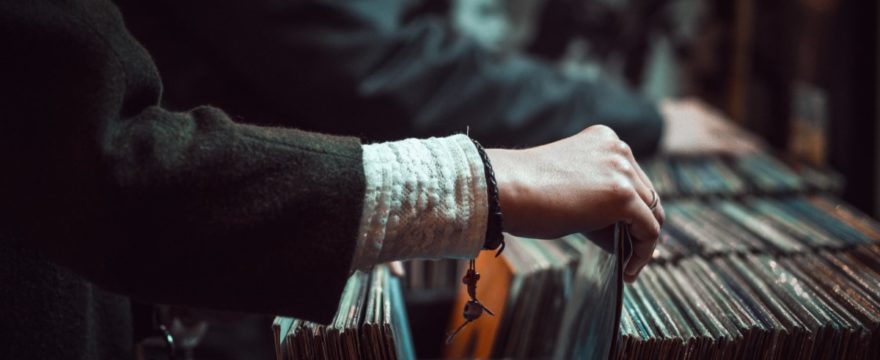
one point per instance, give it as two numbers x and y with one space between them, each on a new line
603 131
621 190
619 164
623 166
623 148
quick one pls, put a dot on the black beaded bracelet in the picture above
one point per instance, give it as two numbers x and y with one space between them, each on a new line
494 227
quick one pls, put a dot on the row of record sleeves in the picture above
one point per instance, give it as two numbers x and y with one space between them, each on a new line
370 323
805 306
686 177
779 225
708 227
756 173
733 286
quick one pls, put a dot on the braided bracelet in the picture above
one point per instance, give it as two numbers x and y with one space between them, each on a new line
473 309
494 227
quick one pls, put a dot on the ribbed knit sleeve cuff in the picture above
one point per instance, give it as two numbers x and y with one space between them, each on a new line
424 199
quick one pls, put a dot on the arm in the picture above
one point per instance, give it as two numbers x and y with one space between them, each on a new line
183 208
403 78
192 208
428 198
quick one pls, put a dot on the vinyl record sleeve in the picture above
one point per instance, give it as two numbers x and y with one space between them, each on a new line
591 322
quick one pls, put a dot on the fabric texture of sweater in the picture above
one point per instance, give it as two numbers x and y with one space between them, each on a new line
424 199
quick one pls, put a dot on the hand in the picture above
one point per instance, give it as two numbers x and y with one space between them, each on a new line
579 184
694 127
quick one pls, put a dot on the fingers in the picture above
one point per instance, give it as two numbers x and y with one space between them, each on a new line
629 167
645 230
645 221
641 182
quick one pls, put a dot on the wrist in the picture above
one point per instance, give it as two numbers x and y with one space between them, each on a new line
512 188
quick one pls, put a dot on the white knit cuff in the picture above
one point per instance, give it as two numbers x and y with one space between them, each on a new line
424 199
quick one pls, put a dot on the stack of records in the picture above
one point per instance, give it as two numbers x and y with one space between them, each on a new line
370 323
545 294
788 224
824 305
769 175
787 277
770 277
729 176
530 277
694 176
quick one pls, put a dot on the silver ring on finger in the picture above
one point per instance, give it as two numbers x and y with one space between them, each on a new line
655 200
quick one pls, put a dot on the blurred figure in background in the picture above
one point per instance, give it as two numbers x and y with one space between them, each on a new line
401 68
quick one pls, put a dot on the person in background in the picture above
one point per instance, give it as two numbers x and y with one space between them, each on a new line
110 195
387 70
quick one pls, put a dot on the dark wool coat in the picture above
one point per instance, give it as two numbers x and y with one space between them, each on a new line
102 187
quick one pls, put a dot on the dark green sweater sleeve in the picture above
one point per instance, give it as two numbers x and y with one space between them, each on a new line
174 207
402 77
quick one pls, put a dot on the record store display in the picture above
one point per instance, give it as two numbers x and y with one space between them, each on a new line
806 306
757 260
786 277
370 323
